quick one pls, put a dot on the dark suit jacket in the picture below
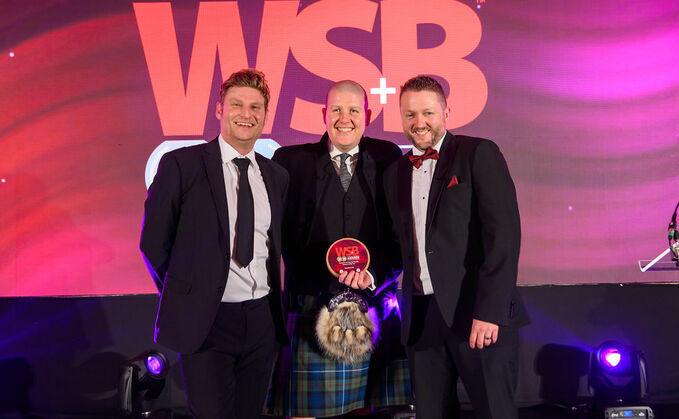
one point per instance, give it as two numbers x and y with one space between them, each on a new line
472 236
185 242
311 171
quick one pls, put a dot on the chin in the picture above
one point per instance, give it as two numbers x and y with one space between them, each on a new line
423 145
346 143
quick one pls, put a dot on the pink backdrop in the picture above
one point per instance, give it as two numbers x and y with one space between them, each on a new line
582 96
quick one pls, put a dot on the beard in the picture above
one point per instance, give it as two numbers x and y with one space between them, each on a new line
435 136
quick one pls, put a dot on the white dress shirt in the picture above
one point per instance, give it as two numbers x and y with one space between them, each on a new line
337 160
252 281
421 185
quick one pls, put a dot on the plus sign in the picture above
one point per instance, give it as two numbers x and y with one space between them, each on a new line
383 90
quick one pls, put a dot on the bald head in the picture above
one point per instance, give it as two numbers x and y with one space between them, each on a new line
346 114
348 86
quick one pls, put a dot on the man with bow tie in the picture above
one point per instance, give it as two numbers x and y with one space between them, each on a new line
454 207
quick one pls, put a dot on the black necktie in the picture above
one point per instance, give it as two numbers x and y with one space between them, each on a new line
245 219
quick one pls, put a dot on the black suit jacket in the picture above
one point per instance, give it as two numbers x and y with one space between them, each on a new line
185 242
472 234
311 171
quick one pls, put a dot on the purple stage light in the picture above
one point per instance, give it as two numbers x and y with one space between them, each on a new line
614 357
611 357
156 364
617 372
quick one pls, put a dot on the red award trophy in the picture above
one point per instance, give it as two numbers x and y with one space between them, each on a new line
346 329
347 254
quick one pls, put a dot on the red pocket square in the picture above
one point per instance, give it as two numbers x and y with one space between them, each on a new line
453 181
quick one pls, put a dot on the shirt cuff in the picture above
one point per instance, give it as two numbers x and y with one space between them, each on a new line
371 287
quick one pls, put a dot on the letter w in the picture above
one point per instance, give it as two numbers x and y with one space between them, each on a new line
218 28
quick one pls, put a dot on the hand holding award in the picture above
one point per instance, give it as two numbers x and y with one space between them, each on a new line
349 259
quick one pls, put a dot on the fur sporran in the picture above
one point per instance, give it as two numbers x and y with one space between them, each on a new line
345 329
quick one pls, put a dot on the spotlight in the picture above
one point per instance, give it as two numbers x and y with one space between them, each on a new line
618 372
142 381
156 365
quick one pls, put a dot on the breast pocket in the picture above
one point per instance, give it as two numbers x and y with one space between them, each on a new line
457 197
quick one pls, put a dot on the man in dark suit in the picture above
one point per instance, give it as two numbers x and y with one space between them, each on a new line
211 240
335 192
454 206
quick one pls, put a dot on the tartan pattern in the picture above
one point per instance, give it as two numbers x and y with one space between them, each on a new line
391 385
307 383
389 380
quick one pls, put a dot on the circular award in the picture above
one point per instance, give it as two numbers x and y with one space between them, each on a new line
347 254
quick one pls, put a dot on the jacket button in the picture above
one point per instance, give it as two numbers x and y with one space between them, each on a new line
220 290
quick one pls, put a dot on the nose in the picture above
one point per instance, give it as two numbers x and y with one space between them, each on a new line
344 116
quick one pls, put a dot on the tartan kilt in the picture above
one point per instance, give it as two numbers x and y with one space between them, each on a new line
308 383
389 377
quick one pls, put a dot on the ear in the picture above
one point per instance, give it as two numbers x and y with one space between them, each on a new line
368 113
446 114
219 110
323 111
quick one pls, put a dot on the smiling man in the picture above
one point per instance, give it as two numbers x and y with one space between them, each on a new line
454 205
335 192
211 240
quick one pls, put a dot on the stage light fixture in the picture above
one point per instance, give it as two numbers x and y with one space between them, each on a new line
156 364
142 381
617 379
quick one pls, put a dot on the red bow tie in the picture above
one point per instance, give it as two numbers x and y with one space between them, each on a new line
429 154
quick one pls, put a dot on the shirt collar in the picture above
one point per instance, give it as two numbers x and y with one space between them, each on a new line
229 153
334 152
437 147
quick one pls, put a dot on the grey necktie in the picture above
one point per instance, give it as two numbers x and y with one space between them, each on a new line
345 176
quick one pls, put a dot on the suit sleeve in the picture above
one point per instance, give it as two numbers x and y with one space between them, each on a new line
500 233
389 265
161 216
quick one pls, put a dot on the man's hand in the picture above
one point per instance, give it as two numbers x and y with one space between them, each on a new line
355 279
483 334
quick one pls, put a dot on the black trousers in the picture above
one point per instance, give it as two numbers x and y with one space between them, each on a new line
229 376
440 354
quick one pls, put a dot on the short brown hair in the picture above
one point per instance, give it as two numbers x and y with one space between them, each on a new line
248 77
420 83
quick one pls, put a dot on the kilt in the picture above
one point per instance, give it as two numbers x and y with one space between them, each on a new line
308 383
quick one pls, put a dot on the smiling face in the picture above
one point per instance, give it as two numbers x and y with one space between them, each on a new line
424 117
345 115
241 117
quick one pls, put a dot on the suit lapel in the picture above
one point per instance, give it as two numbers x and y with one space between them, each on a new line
404 184
275 202
324 172
441 176
367 168
215 175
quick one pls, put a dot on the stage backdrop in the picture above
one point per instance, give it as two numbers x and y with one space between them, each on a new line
581 95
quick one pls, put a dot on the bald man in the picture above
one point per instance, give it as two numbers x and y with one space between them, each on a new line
335 191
